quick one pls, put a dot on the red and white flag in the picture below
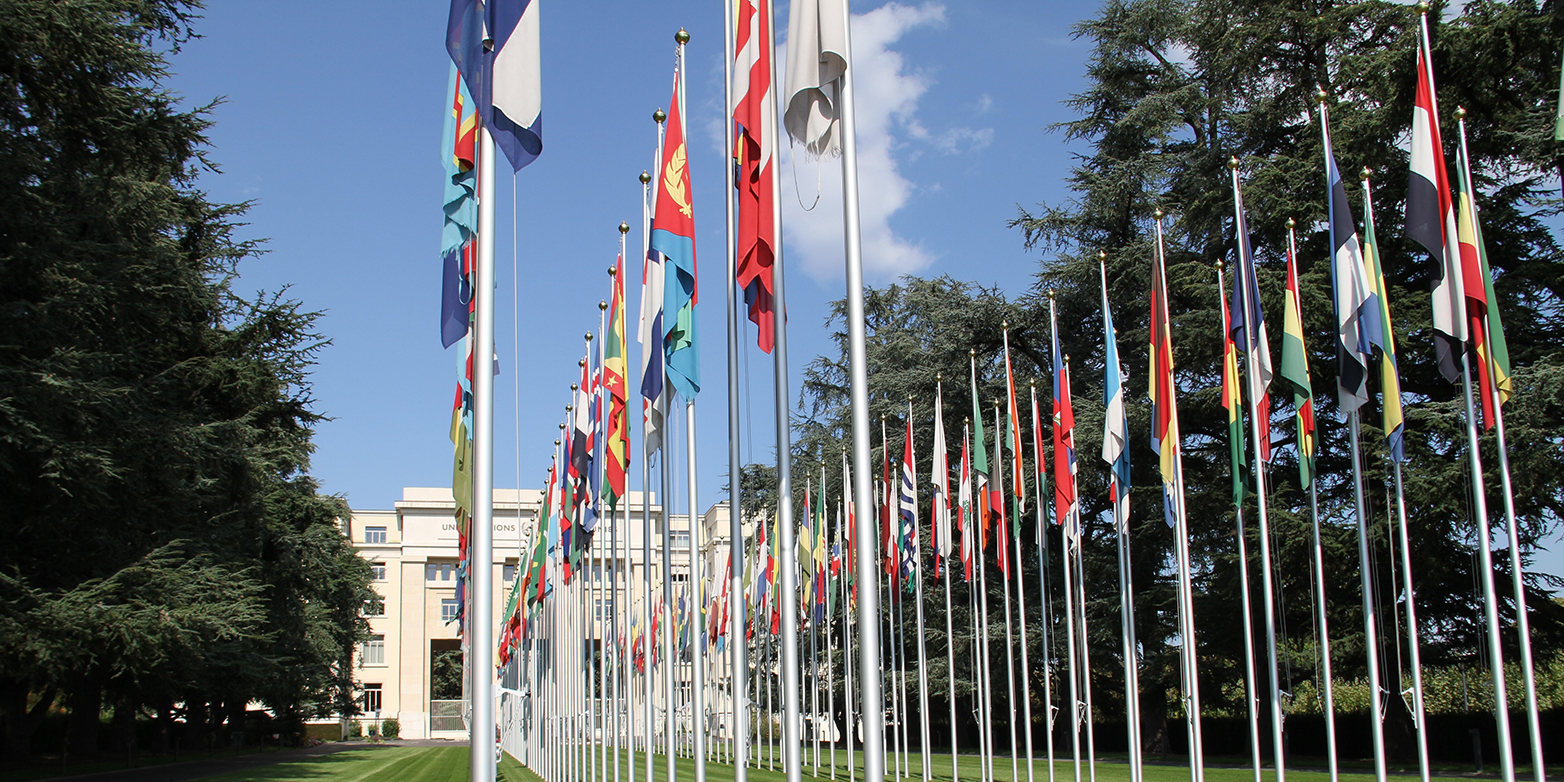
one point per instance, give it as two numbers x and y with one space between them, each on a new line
1431 220
754 148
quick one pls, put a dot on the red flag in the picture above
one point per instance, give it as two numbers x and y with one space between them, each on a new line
755 114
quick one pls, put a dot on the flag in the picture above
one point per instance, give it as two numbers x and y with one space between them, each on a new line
1389 377
1475 282
851 556
1164 404
940 473
1064 439
1037 456
1248 324
1232 399
616 446
1115 428
495 45
909 505
979 463
456 299
884 499
1430 220
1295 358
1013 432
1558 124
804 553
673 235
458 155
1357 309
997 505
650 338
822 555
583 451
755 113
964 504
1495 334
816 63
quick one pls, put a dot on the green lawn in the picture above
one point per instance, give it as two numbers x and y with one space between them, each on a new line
450 764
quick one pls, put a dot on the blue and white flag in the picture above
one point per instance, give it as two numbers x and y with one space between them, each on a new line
506 75
1115 427
1357 308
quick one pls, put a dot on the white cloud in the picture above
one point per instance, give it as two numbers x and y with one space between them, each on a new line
887 95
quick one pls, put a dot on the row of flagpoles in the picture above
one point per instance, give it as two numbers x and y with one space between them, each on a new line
789 566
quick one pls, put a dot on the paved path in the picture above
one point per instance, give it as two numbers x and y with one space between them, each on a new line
201 769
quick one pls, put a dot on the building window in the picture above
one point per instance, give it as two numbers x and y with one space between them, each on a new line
374 534
439 571
375 606
378 569
448 610
510 573
374 651
681 540
372 700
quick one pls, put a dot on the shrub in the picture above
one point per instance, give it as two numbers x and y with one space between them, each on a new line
391 728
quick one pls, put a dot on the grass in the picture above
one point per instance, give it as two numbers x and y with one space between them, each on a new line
450 764
49 768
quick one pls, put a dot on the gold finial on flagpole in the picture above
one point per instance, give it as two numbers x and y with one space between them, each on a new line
603 305
645 177
1232 163
624 228
683 37
659 116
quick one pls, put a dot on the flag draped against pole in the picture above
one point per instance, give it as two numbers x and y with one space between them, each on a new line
1475 283
754 153
940 474
979 462
1064 444
908 537
817 61
1389 376
1164 405
673 235
459 156
1430 221
650 337
1248 325
1232 402
617 430
964 504
495 45
1358 328
1115 428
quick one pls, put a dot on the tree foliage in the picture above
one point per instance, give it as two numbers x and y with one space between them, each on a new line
165 546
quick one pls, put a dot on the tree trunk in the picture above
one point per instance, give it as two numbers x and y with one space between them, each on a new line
86 699
124 725
20 721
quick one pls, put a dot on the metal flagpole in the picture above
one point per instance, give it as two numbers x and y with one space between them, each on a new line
738 645
1186 599
868 602
847 623
814 626
620 649
1010 663
923 664
648 638
670 665
1251 699
1267 587
791 762
1015 536
1087 714
1370 605
1042 580
482 555
942 522
1328 688
600 581
1069 596
697 587
1522 622
830 640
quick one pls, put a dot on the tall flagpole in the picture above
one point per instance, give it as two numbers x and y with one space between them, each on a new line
646 524
1042 579
830 637
923 659
1522 622
481 651
1015 537
1251 699
1267 588
873 708
941 461
791 761
738 644
1181 550
1010 663
1069 592
620 649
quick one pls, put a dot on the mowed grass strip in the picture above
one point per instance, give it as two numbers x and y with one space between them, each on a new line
970 770
382 764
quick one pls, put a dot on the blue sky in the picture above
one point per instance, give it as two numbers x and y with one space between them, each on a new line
332 127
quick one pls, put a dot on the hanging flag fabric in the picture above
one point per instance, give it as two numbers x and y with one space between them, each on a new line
673 235
940 475
1357 310
456 299
1013 432
616 448
583 444
1232 400
1473 282
1430 221
804 553
1115 427
909 506
458 154
964 505
1295 362
1064 439
816 64
1164 405
1558 124
979 465
495 45
1248 323
1495 332
997 505
650 338
1389 376
822 555
755 112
